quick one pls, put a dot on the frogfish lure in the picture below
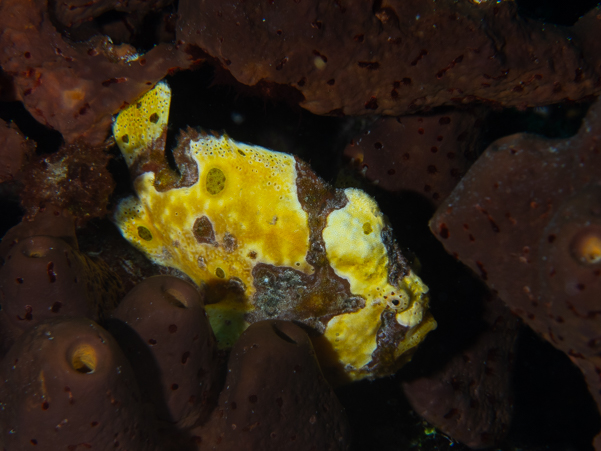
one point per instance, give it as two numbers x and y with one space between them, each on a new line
267 238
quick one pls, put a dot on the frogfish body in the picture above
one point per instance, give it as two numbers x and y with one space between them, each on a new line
267 238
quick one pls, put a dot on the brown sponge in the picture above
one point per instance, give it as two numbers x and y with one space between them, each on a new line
65 384
275 397
164 331
43 277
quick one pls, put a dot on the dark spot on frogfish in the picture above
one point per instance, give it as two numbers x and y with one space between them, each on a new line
203 231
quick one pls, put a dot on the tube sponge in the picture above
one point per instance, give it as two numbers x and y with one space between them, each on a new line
163 329
65 384
43 277
273 376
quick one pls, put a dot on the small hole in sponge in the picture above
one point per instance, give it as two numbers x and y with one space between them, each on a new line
175 298
586 246
84 359
34 251
367 229
282 335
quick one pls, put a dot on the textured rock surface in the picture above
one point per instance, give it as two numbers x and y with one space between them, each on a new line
74 178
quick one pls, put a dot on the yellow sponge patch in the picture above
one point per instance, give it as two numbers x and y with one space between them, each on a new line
139 125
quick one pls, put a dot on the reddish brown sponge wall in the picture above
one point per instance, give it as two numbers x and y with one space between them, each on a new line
353 58
14 151
63 382
427 154
394 57
537 242
406 56
472 390
75 87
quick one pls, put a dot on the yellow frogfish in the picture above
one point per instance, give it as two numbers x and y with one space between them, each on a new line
267 238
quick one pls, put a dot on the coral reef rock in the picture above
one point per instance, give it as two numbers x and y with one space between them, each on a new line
75 178
527 219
